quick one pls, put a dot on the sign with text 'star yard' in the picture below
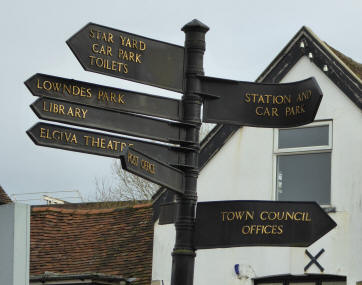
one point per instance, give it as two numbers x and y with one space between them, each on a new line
259 223
128 56
258 104
104 97
153 170
90 142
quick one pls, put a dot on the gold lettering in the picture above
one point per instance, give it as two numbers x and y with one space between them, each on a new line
61 109
42 134
308 218
262 215
123 145
77 112
148 166
142 45
116 144
84 112
110 145
258 111
295 216
70 112
275 112
102 144
261 99
86 139
133 159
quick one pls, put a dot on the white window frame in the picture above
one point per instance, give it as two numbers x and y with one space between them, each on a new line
300 150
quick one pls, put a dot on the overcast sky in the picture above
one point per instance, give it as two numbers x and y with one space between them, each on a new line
243 39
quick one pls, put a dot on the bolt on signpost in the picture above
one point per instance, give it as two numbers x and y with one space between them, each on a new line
121 54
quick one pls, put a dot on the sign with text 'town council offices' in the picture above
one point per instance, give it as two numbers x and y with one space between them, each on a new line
259 223
128 56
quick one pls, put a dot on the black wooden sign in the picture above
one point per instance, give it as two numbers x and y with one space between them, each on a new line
259 223
77 140
103 97
128 124
128 56
258 104
153 170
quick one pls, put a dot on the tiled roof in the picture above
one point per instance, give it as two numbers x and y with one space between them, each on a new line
113 241
353 65
4 198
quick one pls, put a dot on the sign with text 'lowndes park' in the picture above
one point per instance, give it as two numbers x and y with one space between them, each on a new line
89 94
117 53
259 223
153 170
107 120
258 104
77 140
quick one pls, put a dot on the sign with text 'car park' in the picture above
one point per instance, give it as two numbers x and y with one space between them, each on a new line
85 141
107 120
153 170
259 223
89 94
258 104
128 56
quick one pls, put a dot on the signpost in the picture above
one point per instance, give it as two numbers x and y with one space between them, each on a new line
151 169
132 57
260 105
129 56
104 97
107 120
259 223
72 139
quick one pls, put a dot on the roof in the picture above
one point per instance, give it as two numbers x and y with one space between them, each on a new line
4 198
342 70
113 241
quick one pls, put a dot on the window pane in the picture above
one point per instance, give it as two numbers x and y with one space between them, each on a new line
302 137
304 177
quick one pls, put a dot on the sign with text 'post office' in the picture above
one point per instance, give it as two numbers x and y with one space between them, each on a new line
153 170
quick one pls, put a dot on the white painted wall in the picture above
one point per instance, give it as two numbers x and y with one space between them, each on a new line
243 170
14 244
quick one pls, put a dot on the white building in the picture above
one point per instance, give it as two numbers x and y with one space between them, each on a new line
321 161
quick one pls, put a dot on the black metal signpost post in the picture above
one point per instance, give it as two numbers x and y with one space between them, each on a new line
132 57
183 255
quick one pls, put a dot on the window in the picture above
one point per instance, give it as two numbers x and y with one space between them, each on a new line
303 163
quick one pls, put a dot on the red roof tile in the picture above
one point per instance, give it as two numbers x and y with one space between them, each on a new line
4 198
114 241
